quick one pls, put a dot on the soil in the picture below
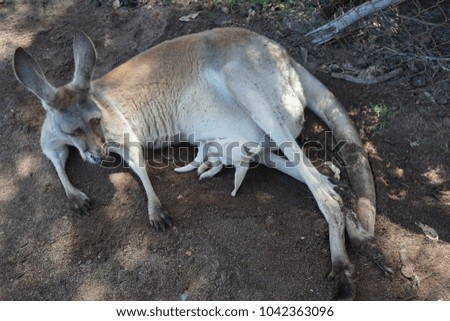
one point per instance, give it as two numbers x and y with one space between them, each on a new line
270 242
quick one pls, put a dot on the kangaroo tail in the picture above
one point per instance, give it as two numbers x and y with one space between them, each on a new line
323 103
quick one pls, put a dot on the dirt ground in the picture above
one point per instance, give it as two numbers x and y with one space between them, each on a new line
268 243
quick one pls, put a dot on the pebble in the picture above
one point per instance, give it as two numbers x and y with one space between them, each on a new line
184 295
269 220
116 4
429 96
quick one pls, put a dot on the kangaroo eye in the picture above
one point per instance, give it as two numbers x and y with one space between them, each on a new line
96 121
77 132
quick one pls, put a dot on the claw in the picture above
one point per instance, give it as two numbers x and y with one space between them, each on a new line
80 202
83 211
160 220
380 259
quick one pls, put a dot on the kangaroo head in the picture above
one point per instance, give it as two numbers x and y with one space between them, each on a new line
70 108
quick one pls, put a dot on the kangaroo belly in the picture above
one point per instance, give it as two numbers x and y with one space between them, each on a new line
209 111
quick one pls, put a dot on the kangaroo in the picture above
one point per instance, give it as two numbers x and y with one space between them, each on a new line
218 83
214 154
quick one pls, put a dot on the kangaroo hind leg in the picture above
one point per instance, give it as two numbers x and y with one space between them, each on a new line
265 111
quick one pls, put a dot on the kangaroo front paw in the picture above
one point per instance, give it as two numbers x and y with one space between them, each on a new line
80 202
159 219
345 286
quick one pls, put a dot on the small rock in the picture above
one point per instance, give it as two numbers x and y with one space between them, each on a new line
184 295
429 96
224 10
116 4
414 143
189 253
269 220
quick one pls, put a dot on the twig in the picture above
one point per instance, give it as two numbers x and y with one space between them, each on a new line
423 58
330 30
419 21
368 81
439 61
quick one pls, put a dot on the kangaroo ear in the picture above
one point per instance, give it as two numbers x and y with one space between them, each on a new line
31 76
85 58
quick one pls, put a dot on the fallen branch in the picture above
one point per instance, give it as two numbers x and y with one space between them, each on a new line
368 81
427 59
328 31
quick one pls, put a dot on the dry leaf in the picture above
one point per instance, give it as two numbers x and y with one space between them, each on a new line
189 17
428 231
